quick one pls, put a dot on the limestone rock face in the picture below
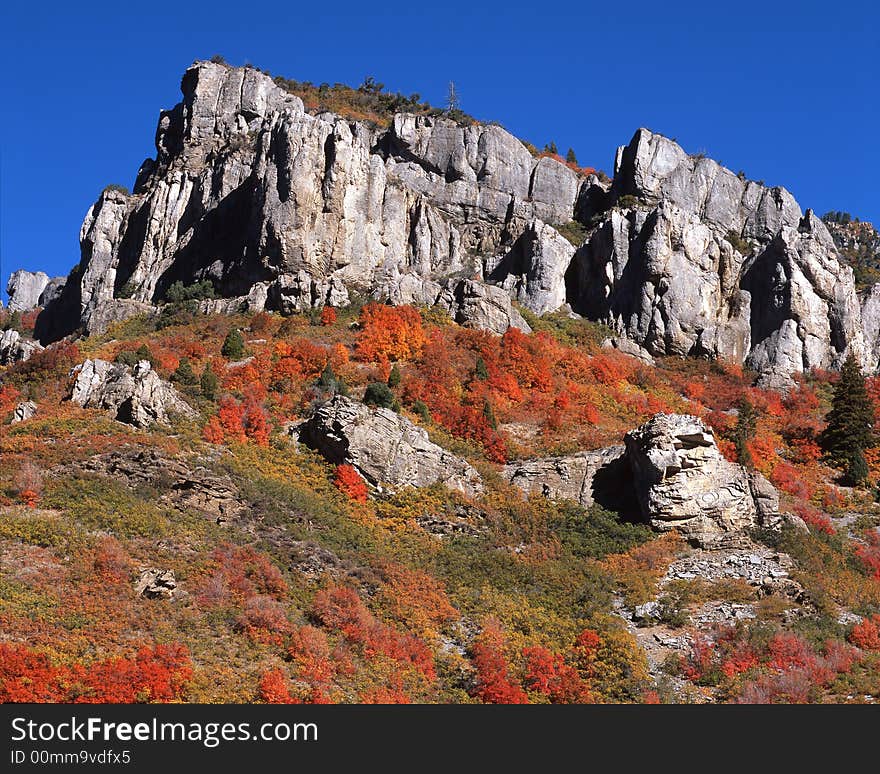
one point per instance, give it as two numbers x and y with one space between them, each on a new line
136 396
533 270
386 449
571 477
28 290
692 259
285 210
247 189
682 481
14 347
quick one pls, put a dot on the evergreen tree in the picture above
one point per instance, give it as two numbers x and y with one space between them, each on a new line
550 147
746 427
856 473
233 345
209 383
184 373
327 379
850 428
394 377
570 157
489 414
480 370
378 394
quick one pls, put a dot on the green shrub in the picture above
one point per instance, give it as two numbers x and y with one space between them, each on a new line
184 373
199 291
573 231
378 394
209 383
421 408
628 202
233 345
131 358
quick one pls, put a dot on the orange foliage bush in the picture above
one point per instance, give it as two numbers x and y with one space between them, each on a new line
340 608
393 332
328 315
273 688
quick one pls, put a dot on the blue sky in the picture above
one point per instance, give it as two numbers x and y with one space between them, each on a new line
785 91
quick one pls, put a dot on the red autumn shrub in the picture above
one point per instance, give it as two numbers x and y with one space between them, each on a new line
328 315
548 674
273 688
494 684
351 483
154 674
866 633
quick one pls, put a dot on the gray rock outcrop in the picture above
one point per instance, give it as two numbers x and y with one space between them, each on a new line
14 347
186 484
683 482
670 474
692 259
285 210
155 583
570 477
24 411
28 290
387 449
248 188
136 396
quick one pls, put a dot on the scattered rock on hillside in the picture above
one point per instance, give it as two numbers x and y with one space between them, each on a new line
136 396
385 448
154 583
683 482
24 411
183 483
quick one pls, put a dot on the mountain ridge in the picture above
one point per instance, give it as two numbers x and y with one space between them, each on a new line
283 210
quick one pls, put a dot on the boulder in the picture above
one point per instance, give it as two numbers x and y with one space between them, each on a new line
154 583
683 482
475 304
14 347
387 449
670 473
24 411
136 396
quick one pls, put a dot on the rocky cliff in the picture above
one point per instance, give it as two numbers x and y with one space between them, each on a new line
286 210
